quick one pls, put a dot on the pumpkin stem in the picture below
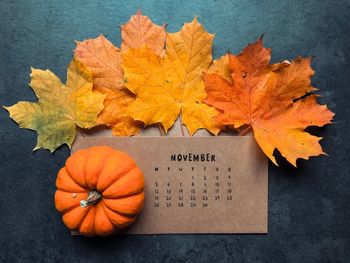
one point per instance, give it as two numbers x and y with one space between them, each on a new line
93 198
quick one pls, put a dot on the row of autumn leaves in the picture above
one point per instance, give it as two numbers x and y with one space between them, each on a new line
158 76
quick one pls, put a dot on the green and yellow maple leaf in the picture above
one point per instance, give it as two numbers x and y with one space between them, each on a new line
60 107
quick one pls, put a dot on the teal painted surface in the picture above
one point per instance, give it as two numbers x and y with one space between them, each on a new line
309 206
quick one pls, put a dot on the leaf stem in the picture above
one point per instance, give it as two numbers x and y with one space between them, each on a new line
162 132
181 126
241 133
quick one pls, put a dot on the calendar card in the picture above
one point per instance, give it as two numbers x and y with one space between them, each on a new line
197 184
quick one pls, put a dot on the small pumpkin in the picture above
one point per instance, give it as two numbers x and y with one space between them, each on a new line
99 191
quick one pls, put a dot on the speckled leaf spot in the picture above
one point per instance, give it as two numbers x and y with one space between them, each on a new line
60 108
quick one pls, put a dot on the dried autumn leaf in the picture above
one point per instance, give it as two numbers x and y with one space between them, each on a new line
267 98
221 68
103 59
60 107
140 31
166 87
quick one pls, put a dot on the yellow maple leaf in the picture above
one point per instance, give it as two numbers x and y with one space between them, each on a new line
272 100
60 107
173 85
103 59
140 30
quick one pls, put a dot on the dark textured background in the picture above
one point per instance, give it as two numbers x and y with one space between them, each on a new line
308 207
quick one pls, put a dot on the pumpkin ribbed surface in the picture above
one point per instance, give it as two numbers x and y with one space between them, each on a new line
99 191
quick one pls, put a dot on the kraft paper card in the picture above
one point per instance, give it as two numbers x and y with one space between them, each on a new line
197 184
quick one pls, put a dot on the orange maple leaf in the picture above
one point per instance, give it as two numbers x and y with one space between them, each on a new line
274 100
104 60
139 31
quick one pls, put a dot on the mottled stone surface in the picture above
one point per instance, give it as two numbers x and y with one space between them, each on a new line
309 206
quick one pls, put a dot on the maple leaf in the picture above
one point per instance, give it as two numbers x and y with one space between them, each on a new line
103 59
273 100
139 31
60 107
221 68
173 85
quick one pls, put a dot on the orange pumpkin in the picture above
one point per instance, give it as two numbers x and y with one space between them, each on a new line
99 191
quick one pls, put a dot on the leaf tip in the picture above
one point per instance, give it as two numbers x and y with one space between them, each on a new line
77 42
261 37
32 69
273 160
37 147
